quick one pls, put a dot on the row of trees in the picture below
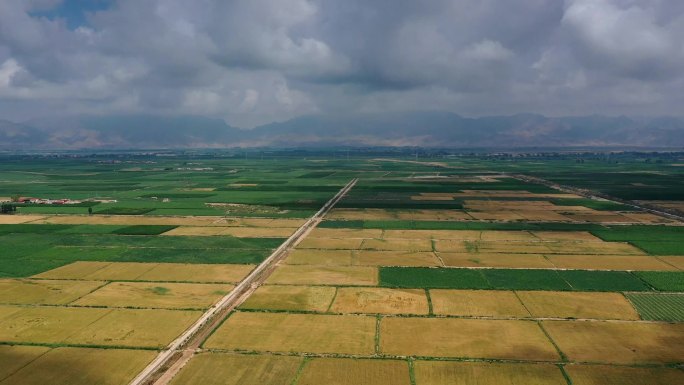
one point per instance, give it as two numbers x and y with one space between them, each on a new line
7 208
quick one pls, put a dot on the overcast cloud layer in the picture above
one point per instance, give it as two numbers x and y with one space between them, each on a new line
256 61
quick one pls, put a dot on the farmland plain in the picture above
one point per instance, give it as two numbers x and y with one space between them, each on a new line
454 272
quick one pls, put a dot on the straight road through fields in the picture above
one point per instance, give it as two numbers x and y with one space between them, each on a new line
180 351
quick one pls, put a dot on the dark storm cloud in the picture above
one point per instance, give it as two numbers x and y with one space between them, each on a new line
256 61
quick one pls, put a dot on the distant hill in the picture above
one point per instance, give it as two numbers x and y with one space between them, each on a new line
428 129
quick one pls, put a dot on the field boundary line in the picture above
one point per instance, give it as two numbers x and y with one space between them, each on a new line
238 294
562 355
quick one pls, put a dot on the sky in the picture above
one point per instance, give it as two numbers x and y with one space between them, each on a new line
251 62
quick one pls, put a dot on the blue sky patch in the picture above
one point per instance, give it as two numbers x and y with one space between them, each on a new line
74 11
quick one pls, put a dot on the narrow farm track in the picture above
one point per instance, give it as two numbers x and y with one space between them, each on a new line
162 369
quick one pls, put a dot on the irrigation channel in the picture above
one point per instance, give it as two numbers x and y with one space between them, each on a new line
169 361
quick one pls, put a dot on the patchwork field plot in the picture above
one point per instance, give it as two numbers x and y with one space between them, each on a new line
44 292
482 303
163 272
618 342
149 328
156 295
395 258
553 304
467 373
15 357
331 243
82 366
94 326
676 261
354 372
76 270
16 219
120 271
172 272
621 375
47 325
301 298
320 257
379 300
533 261
397 244
449 337
310 333
233 369
324 275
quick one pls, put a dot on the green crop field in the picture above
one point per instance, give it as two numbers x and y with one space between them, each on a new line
529 279
659 307
663 280
602 280
525 279
436 278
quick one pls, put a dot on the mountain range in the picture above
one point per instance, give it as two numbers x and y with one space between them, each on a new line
423 129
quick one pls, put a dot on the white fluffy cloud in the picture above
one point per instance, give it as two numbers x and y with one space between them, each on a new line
256 61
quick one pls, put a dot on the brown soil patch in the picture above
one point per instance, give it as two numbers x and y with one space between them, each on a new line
583 236
152 328
361 214
83 269
156 295
330 243
480 303
675 260
81 366
345 233
324 275
496 236
397 244
450 337
621 375
13 358
301 298
282 332
44 292
395 258
578 305
486 373
345 371
535 261
433 234
18 218
320 257
190 272
234 369
380 300
496 215
446 245
618 342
